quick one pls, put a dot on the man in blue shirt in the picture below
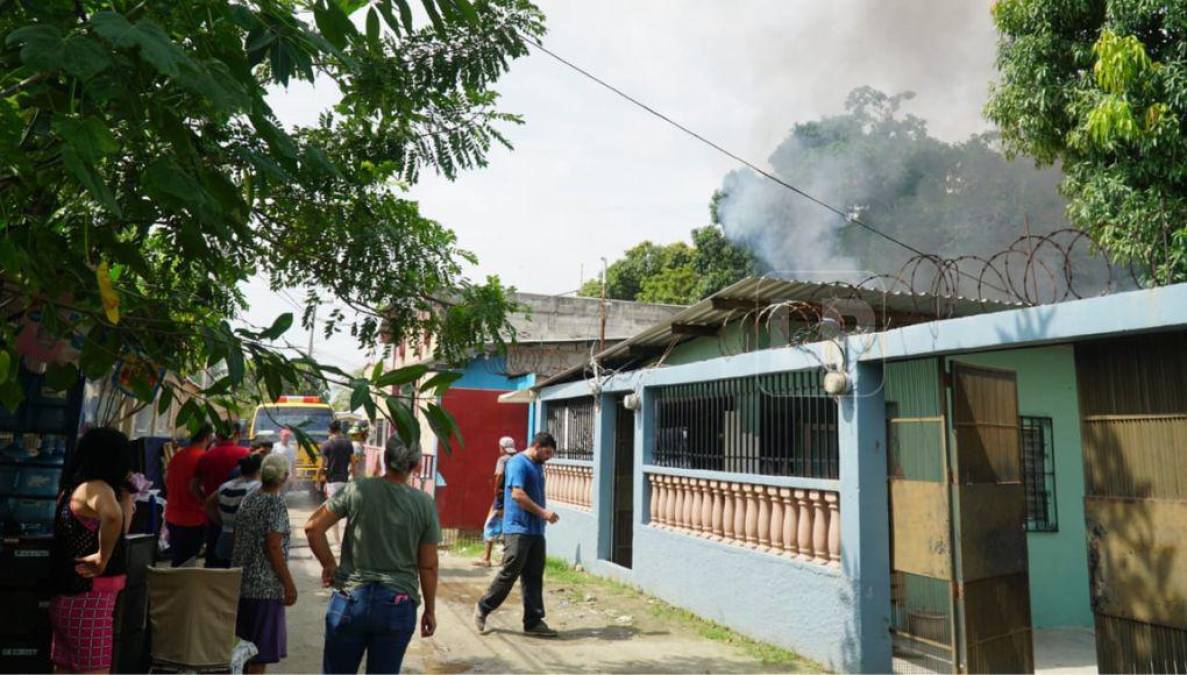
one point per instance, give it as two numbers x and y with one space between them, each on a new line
524 517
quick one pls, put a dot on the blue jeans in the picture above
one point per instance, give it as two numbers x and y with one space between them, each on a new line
373 619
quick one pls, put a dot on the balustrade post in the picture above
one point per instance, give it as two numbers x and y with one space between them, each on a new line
727 511
686 514
789 522
706 509
715 518
673 499
751 516
776 520
587 488
804 535
819 528
570 485
678 516
739 513
694 507
653 502
764 518
834 527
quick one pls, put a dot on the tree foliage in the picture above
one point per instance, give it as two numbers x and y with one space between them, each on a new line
144 177
1101 88
675 273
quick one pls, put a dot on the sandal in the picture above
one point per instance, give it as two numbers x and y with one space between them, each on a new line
481 563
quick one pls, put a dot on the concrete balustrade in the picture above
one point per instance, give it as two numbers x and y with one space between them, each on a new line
802 524
569 484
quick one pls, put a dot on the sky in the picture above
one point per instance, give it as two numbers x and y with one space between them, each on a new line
592 175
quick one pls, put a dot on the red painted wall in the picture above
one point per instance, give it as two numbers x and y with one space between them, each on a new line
465 499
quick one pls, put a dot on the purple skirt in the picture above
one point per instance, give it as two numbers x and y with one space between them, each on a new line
261 622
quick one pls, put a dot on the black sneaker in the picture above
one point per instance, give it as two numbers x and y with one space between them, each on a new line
480 620
540 630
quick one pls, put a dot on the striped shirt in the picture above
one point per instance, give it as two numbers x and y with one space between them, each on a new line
230 494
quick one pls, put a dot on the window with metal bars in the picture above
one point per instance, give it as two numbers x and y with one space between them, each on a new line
1038 474
571 422
781 424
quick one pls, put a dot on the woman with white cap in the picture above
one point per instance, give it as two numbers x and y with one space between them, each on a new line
493 529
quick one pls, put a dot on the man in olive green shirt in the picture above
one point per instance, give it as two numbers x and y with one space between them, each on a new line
389 550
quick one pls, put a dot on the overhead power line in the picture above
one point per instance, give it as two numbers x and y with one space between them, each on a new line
738 158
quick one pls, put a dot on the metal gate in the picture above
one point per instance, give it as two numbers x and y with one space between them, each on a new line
1133 399
959 589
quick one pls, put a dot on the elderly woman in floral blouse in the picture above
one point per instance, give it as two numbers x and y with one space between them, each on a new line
261 549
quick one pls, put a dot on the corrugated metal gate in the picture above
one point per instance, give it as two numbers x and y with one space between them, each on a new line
1133 399
959 586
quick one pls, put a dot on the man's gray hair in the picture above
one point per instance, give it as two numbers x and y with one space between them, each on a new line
399 457
274 469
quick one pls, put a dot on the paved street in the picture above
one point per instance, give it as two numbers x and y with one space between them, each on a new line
595 637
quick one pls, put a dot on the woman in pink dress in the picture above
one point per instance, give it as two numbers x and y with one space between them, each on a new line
93 513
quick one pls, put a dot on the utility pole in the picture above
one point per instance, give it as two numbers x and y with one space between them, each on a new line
602 338
312 329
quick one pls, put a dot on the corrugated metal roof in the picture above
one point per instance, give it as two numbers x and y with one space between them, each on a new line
766 291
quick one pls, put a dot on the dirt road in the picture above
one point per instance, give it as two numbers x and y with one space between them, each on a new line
613 634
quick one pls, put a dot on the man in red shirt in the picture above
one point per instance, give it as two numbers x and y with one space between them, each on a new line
213 469
185 516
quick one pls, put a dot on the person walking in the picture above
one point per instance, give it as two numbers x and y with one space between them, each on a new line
524 519
390 549
492 531
261 548
213 469
337 456
93 514
185 517
223 505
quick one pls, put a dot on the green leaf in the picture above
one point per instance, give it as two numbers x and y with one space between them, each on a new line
440 382
41 46
11 395
431 9
400 376
359 393
165 180
333 23
407 428
235 367
373 26
154 43
385 8
467 11
61 376
83 57
376 371
189 415
90 180
99 353
406 15
5 364
88 136
164 401
443 425
279 327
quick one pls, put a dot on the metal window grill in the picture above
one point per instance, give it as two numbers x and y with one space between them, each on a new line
1038 474
780 424
571 422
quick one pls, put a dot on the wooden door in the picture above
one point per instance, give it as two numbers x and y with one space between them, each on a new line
1133 400
989 523
960 599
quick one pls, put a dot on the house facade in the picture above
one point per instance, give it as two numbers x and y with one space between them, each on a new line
928 497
